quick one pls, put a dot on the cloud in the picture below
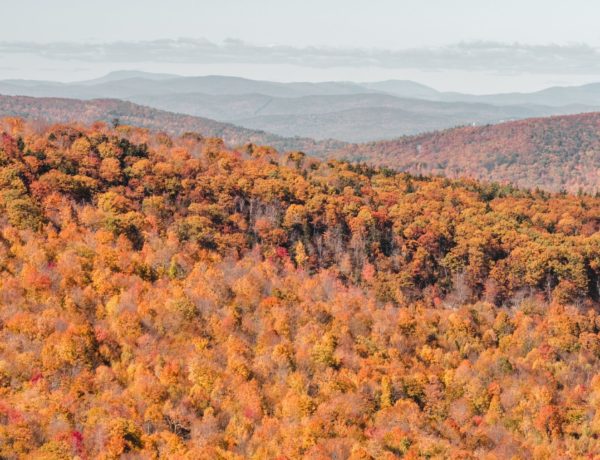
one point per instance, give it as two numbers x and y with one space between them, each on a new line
510 58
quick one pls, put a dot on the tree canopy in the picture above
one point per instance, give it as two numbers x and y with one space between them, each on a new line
166 297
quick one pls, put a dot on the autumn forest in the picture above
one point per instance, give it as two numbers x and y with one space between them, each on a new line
171 297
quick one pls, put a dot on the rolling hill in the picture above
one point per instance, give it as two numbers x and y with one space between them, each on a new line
347 111
348 117
130 83
552 153
64 110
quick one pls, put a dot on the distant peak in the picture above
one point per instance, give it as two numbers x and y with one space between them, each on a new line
127 74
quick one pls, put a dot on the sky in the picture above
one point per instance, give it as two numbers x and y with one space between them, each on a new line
476 46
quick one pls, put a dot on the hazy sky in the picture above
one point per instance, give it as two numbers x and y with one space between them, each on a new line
466 45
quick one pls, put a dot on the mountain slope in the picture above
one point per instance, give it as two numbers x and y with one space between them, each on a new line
403 88
165 298
552 153
348 117
88 111
126 74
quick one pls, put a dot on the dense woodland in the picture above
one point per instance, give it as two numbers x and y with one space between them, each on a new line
167 297
554 153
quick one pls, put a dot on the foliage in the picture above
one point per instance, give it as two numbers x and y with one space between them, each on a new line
188 301
554 153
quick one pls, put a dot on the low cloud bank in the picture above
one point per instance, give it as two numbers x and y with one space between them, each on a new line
513 58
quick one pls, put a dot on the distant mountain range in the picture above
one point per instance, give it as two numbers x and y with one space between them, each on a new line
554 97
349 117
347 111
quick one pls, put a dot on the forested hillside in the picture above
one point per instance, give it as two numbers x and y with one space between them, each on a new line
56 110
552 153
168 297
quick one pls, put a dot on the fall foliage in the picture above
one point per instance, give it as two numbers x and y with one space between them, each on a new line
553 153
167 297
